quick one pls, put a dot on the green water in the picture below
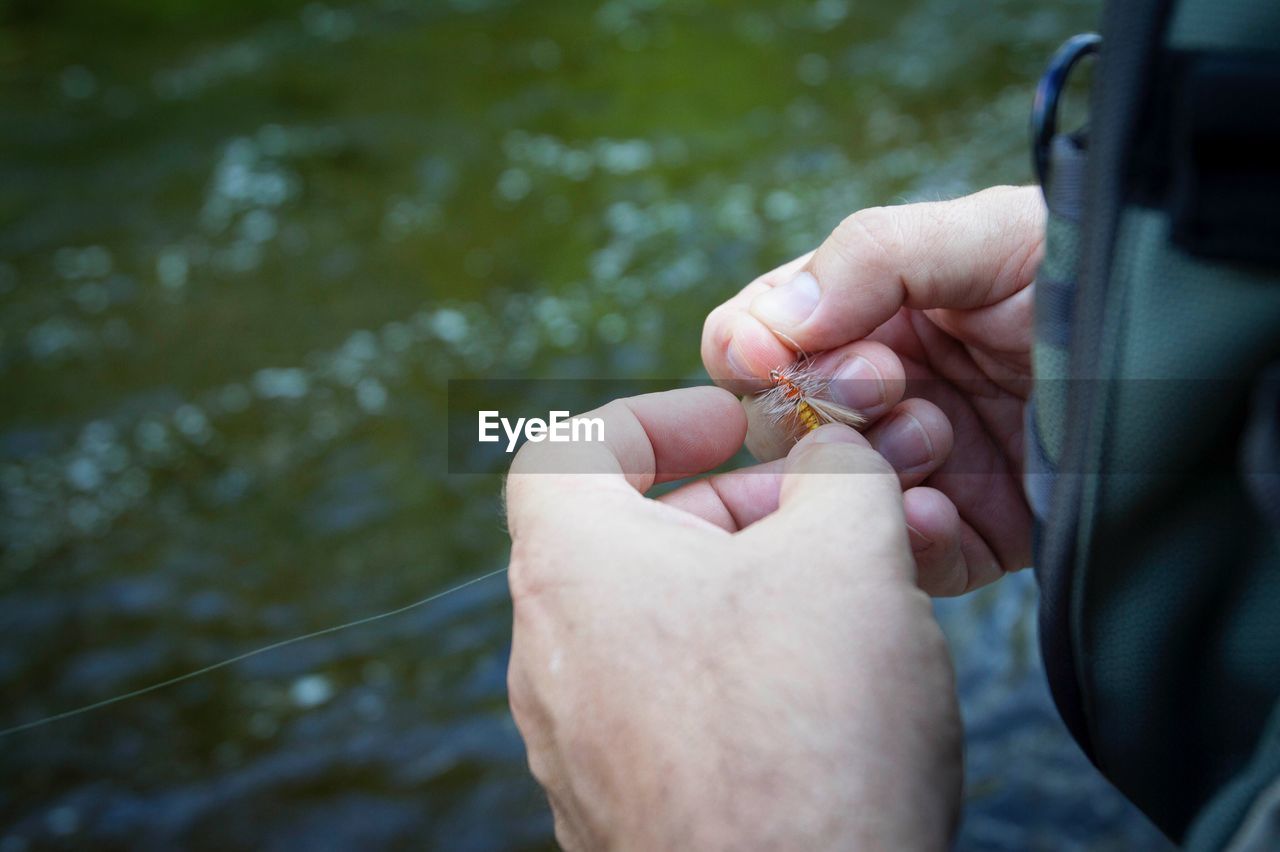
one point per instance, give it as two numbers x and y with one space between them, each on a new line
244 245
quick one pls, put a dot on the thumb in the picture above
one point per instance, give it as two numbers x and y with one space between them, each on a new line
966 253
841 501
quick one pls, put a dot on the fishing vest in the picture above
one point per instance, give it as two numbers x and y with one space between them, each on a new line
1153 434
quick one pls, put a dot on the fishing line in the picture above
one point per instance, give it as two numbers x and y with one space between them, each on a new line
368 619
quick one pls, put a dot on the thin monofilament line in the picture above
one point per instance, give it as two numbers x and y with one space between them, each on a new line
368 619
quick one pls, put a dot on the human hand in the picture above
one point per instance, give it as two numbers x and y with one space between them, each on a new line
746 662
934 299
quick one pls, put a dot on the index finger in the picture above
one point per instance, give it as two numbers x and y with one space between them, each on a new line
966 253
643 440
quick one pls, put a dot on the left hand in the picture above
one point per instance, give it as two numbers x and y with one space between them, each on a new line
743 663
933 300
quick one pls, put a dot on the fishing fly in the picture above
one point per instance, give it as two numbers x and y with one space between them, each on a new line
799 394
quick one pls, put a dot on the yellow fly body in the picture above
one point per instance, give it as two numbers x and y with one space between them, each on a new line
807 415
797 393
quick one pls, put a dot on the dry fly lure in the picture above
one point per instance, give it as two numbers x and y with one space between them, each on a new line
798 394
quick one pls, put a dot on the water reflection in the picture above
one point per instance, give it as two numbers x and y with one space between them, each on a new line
244 245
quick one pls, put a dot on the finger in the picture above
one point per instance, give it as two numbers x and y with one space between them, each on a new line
992 393
966 253
839 497
734 500
729 366
739 498
1004 330
916 439
951 558
646 439
981 475
995 512
865 375
933 525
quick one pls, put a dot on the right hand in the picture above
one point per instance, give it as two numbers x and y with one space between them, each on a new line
743 663
938 294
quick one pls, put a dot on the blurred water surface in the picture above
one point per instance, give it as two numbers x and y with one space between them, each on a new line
243 245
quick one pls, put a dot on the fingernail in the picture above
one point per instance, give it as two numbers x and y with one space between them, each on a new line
919 541
737 361
857 384
789 304
904 443
834 433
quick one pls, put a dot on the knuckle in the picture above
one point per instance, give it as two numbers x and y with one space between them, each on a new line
870 236
1029 198
522 692
517 694
526 577
545 559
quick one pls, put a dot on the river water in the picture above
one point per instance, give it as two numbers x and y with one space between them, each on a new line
244 245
